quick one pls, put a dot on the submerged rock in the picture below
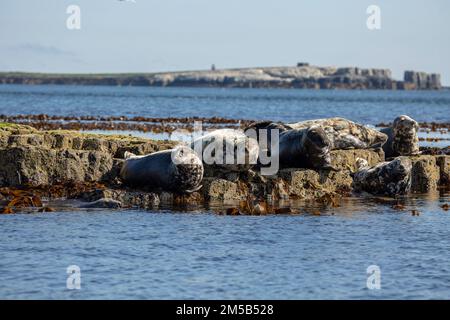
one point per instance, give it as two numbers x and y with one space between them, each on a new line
106 203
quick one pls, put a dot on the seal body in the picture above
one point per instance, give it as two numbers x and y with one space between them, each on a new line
228 149
304 148
403 139
178 170
345 134
298 148
386 178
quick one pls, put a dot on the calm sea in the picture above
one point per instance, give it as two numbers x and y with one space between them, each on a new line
201 255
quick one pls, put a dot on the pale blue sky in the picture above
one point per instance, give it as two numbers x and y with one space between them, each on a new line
163 35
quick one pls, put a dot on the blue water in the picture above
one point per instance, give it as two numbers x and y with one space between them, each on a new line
150 255
202 255
370 107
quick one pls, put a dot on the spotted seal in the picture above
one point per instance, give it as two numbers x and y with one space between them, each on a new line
228 149
178 170
403 137
386 178
345 134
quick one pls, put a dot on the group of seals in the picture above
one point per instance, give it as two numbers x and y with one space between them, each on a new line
305 144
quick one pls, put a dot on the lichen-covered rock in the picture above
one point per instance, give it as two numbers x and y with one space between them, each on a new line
40 166
425 174
346 159
116 145
221 189
29 156
310 184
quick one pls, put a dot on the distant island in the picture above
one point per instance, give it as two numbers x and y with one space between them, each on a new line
301 76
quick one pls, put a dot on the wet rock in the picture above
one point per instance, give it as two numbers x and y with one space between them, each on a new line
425 174
443 163
103 203
127 198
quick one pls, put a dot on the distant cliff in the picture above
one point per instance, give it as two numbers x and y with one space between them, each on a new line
301 76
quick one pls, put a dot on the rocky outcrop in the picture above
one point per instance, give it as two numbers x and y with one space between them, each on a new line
422 81
425 174
443 163
41 160
32 157
301 76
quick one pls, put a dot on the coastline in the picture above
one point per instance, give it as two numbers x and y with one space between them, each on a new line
302 76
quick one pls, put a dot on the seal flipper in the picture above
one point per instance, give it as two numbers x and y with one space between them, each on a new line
129 155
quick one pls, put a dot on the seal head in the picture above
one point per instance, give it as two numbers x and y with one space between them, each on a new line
403 137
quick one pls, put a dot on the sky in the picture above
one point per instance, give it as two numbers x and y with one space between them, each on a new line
173 35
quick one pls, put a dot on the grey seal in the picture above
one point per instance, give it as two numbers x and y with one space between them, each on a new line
298 148
403 137
386 178
179 170
345 134
228 149
305 148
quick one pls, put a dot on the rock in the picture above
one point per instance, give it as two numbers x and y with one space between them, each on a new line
425 174
40 166
127 198
221 189
346 159
422 80
301 76
48 157
103 203
310 184
443 163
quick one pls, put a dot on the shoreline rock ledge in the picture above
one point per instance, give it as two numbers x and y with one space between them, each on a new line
86 167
